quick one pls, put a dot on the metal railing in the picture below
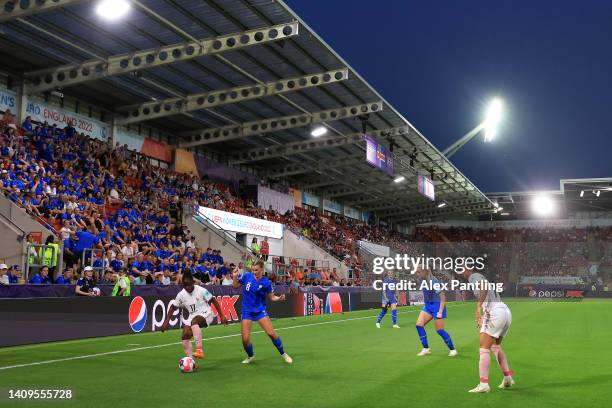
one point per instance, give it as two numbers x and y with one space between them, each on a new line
36 253
89 258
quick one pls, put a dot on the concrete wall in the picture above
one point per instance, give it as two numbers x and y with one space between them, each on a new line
15 223
209 236
295 246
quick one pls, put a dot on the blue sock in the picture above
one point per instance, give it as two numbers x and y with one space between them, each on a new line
447 338
394 316
422 336
382 314
249 349
279 345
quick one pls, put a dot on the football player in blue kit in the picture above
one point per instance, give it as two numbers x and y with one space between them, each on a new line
434 308
389 298
255 289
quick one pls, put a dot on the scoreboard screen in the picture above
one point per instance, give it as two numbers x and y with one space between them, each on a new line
379 156
426 187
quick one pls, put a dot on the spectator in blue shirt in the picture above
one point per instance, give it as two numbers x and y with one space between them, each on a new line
42 277
27 125
14 274
65 278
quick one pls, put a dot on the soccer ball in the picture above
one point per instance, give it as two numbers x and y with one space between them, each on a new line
96 291
187 365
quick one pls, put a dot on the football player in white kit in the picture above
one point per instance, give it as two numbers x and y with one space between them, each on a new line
197 301
494 325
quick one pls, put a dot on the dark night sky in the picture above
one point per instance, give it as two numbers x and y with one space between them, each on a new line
439 62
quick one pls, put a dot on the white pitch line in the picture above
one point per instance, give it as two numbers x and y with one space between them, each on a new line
59 360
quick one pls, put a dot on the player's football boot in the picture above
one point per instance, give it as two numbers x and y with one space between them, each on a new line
377 325
287 358
481 388
199 354
248 360
507 382
395 326
424 352
452 353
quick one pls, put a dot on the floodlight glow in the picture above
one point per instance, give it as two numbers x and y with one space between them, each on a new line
581 193
112 9
441 205
505 213
494 114
399 179
598 193
318 131
543 206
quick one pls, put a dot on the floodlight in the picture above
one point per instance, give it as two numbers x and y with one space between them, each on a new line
494 113
318 131
543 206
112 9
399 179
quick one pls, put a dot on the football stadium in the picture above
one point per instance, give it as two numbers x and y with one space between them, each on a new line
215 203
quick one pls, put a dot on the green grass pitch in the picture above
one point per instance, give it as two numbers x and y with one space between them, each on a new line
558 350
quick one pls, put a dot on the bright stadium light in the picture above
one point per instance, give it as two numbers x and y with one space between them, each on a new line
399 179
581 193
318 131
113 9
543 206
491 123
442 204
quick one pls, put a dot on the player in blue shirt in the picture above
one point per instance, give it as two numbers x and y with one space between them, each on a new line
256 288
434 308
389 298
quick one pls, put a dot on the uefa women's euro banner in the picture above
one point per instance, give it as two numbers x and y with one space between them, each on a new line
42 112
241 223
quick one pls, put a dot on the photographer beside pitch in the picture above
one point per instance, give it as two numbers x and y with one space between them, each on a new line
494 326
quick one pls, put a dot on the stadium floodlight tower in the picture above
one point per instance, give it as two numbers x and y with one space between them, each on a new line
490 125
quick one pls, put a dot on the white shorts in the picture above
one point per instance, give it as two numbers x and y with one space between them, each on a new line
496 322
209 319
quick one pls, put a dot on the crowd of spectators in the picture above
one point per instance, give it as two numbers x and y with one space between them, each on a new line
116 202
94 195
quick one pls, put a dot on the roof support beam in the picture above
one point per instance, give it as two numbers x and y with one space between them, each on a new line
66 75
312 144
432 207
205 100
299 168
14 9
258 127
429 216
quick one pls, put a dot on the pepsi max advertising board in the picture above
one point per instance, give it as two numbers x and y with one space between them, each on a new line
37 320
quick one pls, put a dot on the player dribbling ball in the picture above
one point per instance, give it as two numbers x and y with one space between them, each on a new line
197 301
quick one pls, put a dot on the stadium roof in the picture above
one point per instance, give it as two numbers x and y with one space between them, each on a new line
245 79
573 196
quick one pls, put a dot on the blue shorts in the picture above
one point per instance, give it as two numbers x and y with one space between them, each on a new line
389 302
254 316
432 309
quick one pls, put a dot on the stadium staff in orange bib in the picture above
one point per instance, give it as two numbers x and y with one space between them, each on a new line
265 249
